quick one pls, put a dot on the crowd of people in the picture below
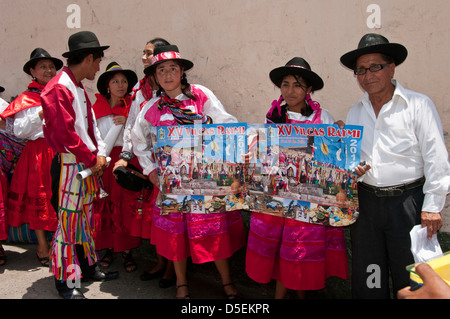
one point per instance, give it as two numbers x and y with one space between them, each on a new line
51 132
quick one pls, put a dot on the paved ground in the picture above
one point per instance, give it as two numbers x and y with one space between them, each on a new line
23 278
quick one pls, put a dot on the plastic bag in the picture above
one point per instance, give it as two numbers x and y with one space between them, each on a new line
422 248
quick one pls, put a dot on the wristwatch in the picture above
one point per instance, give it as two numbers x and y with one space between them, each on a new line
126 156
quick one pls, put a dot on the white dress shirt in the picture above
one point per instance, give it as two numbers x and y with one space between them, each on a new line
404 143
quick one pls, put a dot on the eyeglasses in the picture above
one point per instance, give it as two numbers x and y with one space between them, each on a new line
372 68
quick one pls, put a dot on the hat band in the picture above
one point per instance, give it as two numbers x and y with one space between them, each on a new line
297 66
114 68
166 56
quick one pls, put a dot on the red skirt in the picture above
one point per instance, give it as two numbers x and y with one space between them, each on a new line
122 218
31 188
300 255
4 226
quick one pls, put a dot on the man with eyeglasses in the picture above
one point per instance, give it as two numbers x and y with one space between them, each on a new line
406 178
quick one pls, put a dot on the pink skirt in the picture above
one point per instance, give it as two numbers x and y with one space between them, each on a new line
4 226
117 215
203 237
31 190
300 255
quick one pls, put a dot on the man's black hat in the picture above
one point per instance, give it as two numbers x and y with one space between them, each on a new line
375 43
81 41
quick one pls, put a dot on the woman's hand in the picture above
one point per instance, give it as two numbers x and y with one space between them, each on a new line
153 178
119 120
120 163
340 123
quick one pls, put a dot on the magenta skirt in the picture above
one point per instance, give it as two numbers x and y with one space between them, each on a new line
300 255
203 237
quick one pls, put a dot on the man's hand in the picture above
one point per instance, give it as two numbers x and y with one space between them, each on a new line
361 170
432 221
434 287
100 166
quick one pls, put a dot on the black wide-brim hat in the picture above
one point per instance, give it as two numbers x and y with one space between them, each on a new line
166 53
131 178
375 43
40 54
81 41
2 89
297 66
112 69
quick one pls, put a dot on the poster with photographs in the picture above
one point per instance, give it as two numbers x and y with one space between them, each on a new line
201 167
299 171
305 172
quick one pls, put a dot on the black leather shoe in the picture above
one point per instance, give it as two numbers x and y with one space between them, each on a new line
150 276
100 275
166 283
71 293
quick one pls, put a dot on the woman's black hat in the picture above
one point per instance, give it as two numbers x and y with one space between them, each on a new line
40 54
131 178
111 69
297 66
165 53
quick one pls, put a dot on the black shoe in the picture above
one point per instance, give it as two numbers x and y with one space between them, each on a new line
100 275
69 293
166 283
150 276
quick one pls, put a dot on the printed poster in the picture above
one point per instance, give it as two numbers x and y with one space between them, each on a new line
305 172
299 171
201 167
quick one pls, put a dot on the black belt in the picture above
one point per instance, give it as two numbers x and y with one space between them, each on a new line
391 191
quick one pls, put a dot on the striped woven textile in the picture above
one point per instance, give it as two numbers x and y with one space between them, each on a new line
10 150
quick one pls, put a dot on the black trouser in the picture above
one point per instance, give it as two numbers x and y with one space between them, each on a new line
381 242
86 269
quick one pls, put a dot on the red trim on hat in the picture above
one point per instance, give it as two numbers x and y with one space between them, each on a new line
166 56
